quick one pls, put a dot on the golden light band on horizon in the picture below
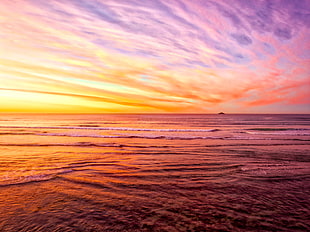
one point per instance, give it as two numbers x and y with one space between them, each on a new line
154 56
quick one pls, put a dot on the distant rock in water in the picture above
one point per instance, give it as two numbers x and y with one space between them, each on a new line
221 113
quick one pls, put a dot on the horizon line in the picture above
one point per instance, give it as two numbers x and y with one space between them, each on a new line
141 113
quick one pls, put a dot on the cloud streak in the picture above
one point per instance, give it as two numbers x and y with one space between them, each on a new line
155 55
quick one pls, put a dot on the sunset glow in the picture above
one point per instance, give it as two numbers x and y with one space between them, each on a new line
155 56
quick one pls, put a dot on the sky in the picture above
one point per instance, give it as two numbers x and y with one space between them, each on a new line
155 56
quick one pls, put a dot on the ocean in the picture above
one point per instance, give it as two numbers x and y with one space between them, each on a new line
154 172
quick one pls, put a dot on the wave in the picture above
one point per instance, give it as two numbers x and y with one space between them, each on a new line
130 136
16 133
26 179
278 129
275 172
167 137
78 144
145 136
90 144
87 127
88 182
278 132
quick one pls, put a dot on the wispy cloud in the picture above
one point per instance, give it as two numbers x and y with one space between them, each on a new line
155 55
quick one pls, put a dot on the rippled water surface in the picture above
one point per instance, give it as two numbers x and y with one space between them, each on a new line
154 172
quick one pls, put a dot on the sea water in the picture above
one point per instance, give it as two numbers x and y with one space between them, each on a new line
154 172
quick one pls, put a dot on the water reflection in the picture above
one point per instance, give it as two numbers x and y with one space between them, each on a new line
220 182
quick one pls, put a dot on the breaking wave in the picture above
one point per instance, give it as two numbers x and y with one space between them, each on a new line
24 178
114 128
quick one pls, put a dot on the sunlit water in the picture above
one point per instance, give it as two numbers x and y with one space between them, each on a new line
154 172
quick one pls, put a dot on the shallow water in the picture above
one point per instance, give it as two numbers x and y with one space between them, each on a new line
154 172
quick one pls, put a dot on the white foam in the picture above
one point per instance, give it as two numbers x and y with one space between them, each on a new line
23 177
115 128
143 136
